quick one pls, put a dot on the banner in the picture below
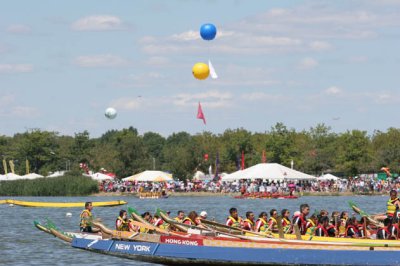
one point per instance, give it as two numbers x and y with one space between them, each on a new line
200 114
11 166
5 166
27 166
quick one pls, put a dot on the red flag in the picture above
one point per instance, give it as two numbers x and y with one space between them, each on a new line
264 158
242 160
200 114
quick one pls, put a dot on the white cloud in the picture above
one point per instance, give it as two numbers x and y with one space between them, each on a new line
333 91
24 111
105 60
186 36
227 42
261 96
127 103
210 99
320 46
308 63
18 29
15 68
98 23
193 35
157 61
10 108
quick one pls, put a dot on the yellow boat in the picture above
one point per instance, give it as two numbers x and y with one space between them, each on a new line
65 204
3 201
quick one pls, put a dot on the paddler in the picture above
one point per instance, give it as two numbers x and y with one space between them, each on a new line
394 229
311 224
261 223
146 216
351 228
85 216
248 223
383 232
203 215
122 223
324 228
301 219
234 220
272 222
342 227
393 204
193 219
180 217
286 224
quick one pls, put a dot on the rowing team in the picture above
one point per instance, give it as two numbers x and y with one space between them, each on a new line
317 224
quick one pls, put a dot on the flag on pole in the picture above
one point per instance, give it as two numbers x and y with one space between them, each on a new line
5 166
200 114
27 166
264 157
11 163
213 74
242 160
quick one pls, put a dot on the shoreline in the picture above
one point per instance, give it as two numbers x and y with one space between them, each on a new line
212 194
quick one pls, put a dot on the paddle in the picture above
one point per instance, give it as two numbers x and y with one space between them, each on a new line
297 232
235 228
158 230
280 229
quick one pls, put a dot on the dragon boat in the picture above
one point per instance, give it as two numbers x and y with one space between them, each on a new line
200 250
64 204
265 195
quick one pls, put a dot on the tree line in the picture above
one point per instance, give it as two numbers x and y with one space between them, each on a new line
125 152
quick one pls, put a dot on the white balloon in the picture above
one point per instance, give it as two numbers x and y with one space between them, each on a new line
110 113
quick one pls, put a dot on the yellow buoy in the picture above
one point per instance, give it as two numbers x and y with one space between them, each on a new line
200 71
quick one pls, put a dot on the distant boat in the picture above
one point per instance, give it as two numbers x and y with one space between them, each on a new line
65 204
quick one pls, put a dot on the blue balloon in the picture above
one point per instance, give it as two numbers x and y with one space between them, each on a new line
208 31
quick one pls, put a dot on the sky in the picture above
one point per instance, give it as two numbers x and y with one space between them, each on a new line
300 63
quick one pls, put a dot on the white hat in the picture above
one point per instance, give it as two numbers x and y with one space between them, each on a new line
203 214
296 213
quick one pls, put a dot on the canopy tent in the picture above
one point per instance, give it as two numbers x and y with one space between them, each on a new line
198 176
151 176
328 177
101 177
12 176
31 176
272 171
57 174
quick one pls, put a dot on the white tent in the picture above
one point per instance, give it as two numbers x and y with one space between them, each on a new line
271 171
328 177
57 174
101 177
199 175
152 176
31 176
12 176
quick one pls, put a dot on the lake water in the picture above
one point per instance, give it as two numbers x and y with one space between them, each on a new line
22 244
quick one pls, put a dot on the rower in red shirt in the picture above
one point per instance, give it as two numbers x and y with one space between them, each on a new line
248 223
234 220
261 223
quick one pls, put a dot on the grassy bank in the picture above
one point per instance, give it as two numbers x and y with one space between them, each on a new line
68 185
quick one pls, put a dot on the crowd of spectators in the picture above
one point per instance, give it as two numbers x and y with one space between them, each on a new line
354 185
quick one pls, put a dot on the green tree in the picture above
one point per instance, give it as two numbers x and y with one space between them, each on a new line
353 152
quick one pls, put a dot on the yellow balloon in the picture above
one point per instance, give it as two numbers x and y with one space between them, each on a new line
200 71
